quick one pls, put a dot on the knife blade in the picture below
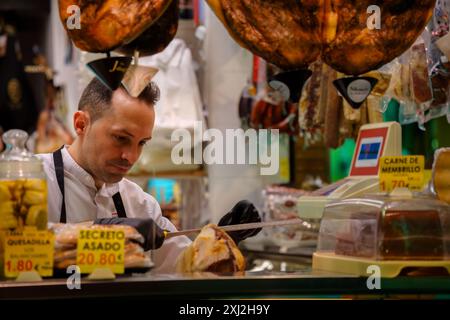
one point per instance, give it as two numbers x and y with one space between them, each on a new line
237 227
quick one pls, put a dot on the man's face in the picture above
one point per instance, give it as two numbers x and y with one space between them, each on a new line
114 142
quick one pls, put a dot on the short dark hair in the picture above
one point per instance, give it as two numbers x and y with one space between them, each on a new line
96 97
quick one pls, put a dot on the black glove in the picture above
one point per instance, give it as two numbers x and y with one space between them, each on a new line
243 212
152 233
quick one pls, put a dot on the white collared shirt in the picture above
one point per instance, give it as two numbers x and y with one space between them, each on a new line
85 203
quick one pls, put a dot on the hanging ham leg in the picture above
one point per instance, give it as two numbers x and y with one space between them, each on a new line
158 36
108 24
351 47
284 32
294 33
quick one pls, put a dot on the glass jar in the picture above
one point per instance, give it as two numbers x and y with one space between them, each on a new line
23 186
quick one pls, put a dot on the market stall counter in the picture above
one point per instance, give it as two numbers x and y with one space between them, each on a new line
259 285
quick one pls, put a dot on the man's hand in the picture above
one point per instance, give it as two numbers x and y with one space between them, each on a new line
152 233
243 212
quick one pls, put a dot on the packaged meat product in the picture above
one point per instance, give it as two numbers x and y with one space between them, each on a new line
66 237
396 83
440 81
420 80
409 109
400 90
67 234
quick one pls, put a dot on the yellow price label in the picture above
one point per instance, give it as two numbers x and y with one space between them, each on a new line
29 250
101 249
402 172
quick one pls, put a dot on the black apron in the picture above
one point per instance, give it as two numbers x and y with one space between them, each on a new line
59 172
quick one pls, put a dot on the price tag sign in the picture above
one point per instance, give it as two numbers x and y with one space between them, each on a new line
402 172
29 250
101 249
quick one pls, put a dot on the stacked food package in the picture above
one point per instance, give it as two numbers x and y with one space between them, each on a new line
66 237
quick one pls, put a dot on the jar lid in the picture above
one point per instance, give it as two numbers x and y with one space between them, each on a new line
16 160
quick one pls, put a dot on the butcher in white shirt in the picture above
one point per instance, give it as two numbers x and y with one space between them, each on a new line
86 179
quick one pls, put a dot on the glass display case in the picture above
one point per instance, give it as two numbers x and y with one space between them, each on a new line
413 230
